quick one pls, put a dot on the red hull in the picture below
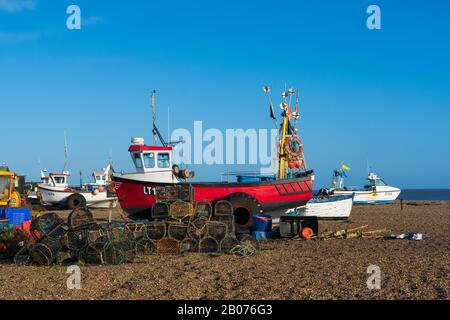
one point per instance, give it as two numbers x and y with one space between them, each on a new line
137 197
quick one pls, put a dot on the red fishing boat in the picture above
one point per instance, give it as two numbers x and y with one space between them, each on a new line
291 187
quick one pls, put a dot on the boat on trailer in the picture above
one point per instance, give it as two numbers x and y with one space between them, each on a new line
291 187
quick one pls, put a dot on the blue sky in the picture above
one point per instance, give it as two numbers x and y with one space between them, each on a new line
382 96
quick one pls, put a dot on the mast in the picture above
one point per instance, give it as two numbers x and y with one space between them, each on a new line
290 149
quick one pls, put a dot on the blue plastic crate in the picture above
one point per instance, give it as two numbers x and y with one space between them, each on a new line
18 216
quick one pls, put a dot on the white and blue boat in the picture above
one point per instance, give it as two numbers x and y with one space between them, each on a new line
377 192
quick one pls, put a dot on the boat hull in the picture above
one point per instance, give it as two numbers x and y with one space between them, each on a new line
53 196
137 196
372 197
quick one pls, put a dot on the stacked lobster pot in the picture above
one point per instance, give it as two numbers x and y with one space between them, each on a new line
79 239
178 225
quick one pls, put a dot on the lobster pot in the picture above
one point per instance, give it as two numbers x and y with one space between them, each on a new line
94 235
189 245
223 208
228 243
160 211
168 246
174 193
185 193
181 209
66 256
23 258
166 194
76 240
94 253
197 228
59 232
203 209
120 234
44 225
145 246
208 245
80 217
115 255
136 229
177 231
45 252
228 221
128 249
216 230
156 230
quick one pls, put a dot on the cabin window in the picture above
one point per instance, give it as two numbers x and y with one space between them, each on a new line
380 183
163 160
137 161
60 180
149 160
4 188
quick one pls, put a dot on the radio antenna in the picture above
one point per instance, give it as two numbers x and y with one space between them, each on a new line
65 152
154 116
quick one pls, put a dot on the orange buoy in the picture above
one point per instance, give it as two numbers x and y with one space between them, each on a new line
307 233
100 189
292 164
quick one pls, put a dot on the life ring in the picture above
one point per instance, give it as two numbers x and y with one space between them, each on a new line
293 147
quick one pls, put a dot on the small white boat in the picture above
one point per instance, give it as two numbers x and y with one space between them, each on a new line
326 208
377 192
55 191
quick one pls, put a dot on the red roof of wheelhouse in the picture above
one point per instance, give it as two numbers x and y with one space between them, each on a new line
148 148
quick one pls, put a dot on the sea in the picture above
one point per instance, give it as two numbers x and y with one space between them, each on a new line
425 194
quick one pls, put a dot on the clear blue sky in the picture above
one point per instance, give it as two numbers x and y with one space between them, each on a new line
377 95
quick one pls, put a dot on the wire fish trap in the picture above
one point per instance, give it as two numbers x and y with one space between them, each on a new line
228 243
160 211
203 209
145 246
94 253
180 209
45 252
128 249
80 217
165 194
185 193
216 230
223 208
208 245
229 221
59 232
156 230
76 240
44 225
136 229
23 258
177 230
188 245
168 246
197 228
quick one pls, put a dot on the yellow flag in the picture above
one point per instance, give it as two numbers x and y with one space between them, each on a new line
346 168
